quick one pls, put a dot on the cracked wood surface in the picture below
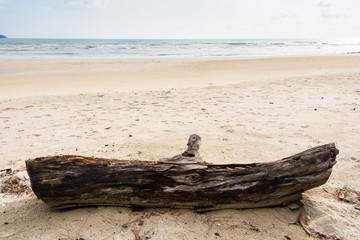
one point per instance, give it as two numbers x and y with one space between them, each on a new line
75 181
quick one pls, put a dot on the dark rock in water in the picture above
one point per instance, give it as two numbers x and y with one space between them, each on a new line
2 36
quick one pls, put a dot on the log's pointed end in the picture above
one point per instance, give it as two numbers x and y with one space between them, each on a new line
333 152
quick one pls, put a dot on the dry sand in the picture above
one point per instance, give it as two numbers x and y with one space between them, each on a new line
245 110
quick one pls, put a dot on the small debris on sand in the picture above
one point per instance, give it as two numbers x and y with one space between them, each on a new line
15 185
136 234
348 195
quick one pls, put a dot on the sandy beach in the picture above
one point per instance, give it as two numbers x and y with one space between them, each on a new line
245 110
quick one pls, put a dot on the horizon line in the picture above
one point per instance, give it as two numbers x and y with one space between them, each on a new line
247 38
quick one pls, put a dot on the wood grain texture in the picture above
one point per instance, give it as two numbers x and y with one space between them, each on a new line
77 181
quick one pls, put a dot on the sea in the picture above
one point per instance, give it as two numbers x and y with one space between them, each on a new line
173 48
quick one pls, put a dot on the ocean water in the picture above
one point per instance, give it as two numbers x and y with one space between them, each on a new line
139 48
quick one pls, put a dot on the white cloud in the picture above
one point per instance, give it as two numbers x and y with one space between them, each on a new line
326 14
284 15
85 4
3 5
323 4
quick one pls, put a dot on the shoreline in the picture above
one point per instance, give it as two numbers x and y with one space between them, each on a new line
189 57
177 48
32 77
221 57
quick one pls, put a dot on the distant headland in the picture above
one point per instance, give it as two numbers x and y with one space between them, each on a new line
2 36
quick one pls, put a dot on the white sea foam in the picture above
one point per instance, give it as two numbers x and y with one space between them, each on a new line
133 48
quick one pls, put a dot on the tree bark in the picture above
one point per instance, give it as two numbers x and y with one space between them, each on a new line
76 181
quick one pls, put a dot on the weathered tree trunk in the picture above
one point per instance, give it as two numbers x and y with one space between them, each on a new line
75 181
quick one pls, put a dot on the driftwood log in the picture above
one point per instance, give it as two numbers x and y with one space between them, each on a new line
184 181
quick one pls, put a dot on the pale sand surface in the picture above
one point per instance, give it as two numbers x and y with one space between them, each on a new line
245 110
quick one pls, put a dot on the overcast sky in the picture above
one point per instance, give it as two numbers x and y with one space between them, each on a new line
180 18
